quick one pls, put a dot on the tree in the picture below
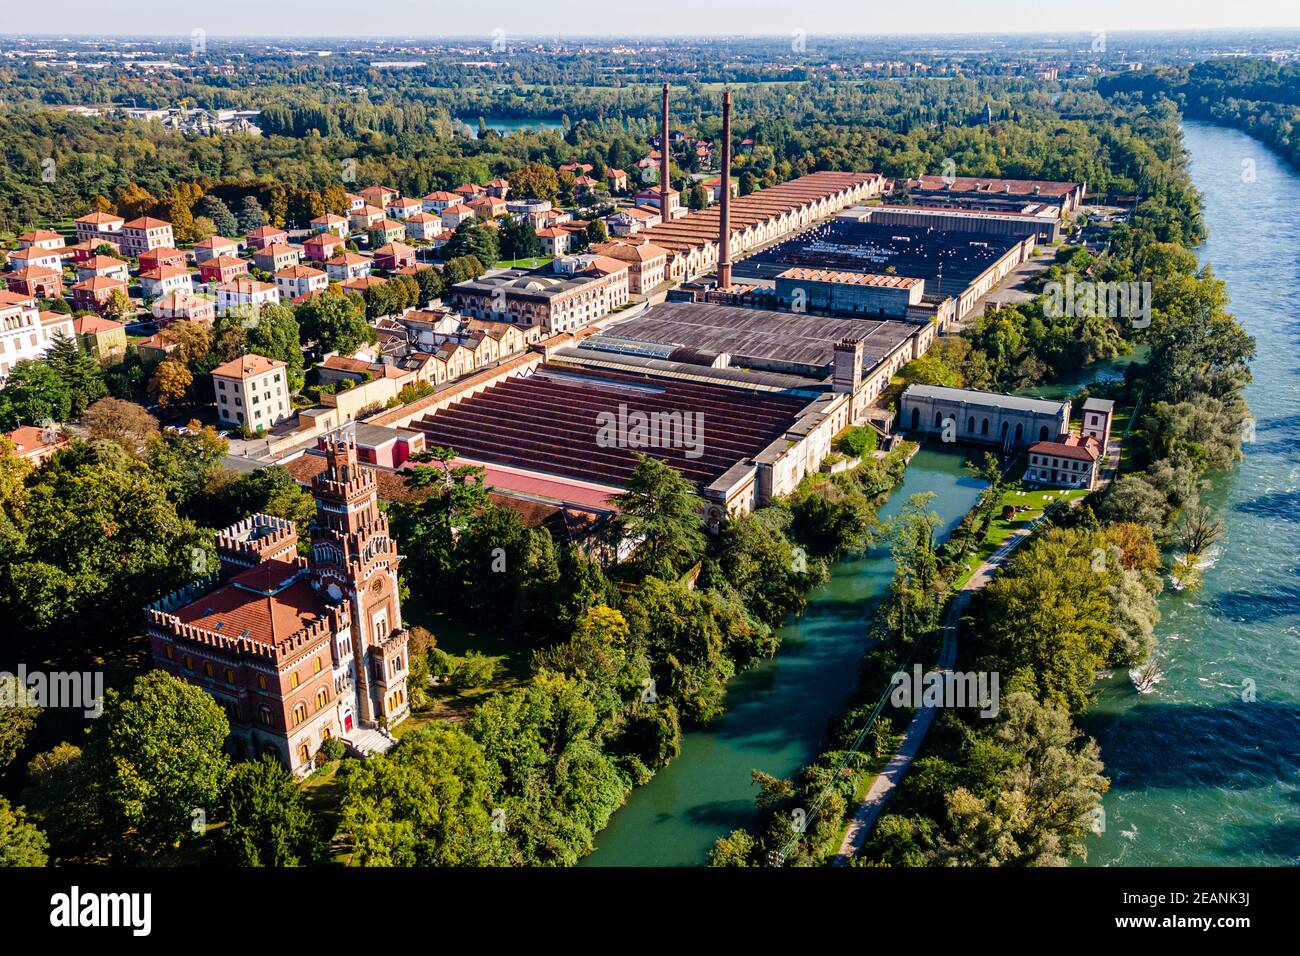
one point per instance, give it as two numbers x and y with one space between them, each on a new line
79 371
596 231
268 822
661 510
156 756
212 208
13 469
21 844
275 334
185 463
118 305
1199 529
535 181
18 716
335 323
461 269
698 197
251 215
424 803
734 849
193 341
170 382
33 394
519 240
270 491
112 419
474 238
1132 499
430 284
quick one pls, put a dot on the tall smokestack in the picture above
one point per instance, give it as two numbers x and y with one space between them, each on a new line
724 214
664 184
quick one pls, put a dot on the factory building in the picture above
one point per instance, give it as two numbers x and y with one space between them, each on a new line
965 415
973 192
1042 221
852 293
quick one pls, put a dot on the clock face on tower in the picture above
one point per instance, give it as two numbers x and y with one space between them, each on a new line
334 592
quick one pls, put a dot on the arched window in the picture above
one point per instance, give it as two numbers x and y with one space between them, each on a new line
322 698
1042 433
293 680
938 419
970 424
916 419
304 754
1020 431
264 715
299 713
207 668
230 676
1005 425
984 427
261 681
316 666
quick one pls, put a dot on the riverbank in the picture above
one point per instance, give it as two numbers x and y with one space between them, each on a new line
776 712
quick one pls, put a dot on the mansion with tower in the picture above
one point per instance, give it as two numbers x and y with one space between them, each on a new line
298 650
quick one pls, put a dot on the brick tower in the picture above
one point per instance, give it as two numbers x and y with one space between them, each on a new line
354 559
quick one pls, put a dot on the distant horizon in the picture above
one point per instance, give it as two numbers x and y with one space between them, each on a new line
481 37
670 19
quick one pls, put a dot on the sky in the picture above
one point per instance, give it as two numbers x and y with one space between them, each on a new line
429 18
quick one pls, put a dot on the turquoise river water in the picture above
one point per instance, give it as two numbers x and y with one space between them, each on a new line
1205 768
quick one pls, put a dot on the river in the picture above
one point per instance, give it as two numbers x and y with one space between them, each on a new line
777 712
1201 774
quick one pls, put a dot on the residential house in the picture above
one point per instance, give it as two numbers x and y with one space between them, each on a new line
161 256
439 200
487 207
245 293
166 280
25 331
403 208
264 236
498 188
365 217
323 246
41 239
379 196
555 241
214 246
94 292
1070 462
38 281
298 280
180 306
145 233
423 226
222 269
277 256
386 231
38 445
35 256
97 227
102 338
105 266
453 216
394 256
252 391
468 191
348 265
616 180
647 263
330 222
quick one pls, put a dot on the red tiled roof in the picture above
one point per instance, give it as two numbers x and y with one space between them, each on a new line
247 366
269 603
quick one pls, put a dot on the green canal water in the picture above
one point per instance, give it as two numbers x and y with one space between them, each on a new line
777 712
1199 775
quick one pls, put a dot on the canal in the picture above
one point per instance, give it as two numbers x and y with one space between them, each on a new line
777 712
1205 769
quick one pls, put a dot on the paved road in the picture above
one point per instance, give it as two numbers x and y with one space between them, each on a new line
883 786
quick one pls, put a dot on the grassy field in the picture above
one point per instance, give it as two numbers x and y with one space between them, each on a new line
1030 506
531 263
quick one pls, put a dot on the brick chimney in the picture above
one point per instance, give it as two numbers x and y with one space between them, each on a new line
664 184
724 214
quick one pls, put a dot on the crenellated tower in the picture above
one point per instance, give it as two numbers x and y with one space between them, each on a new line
355 559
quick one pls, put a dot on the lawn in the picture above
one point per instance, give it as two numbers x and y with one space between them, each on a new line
531 263
1032 503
